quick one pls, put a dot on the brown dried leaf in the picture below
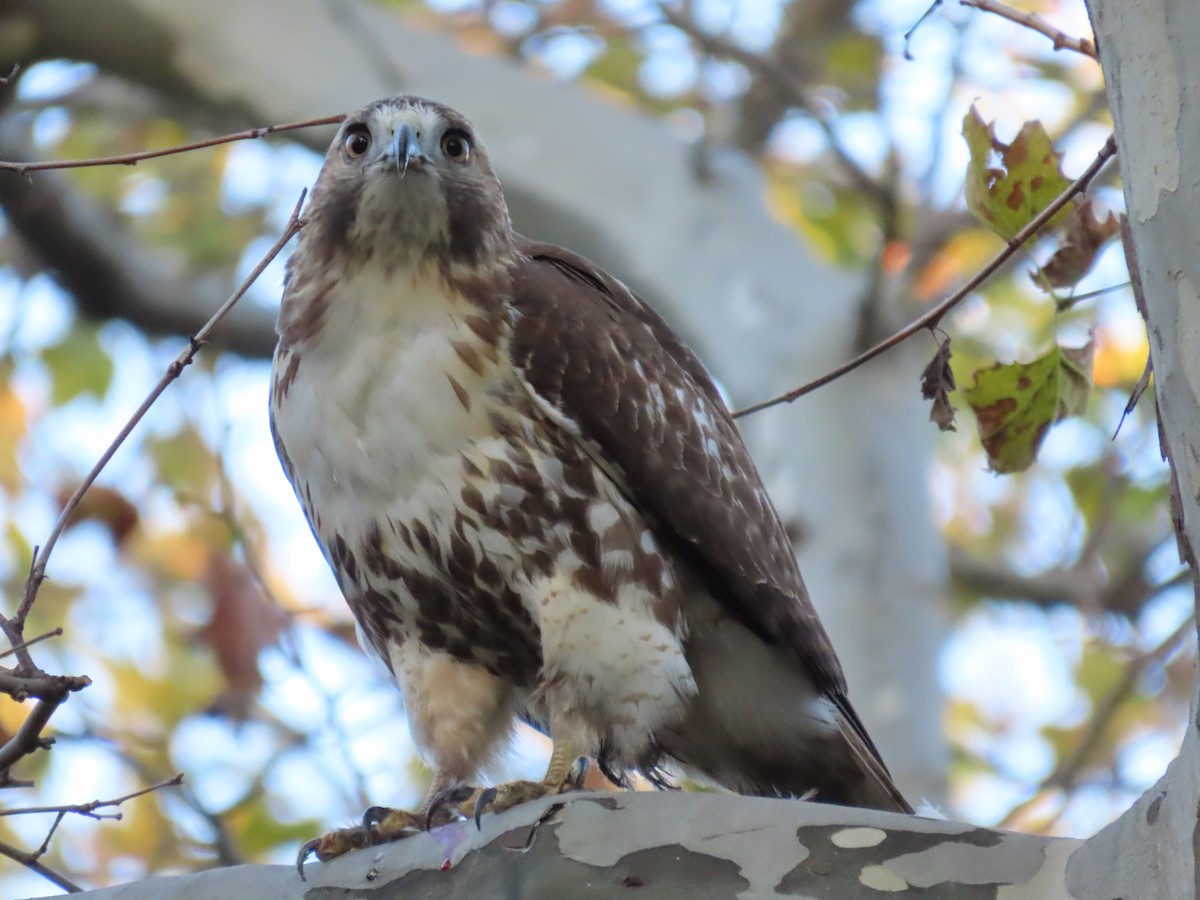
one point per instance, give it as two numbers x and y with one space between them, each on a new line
110 508
937 381
1074 258
244 621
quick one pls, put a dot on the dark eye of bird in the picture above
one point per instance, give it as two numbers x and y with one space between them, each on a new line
357 143
456 146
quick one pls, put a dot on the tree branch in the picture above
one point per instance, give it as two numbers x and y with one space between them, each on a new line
110 272
1034 22
1066 773
132 159
89 809
26 644
31 862
1125 592
788 84
934 316
174 370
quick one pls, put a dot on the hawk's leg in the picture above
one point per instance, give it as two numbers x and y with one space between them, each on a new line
565 772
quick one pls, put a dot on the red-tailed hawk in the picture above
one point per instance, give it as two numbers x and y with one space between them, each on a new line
533 497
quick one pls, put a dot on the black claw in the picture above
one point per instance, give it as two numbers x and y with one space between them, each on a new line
481 803
579 770
450 797
307 849
372 816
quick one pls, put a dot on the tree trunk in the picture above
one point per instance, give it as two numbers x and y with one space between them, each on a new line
1150 53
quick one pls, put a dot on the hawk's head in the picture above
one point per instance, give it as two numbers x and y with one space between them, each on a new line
406 181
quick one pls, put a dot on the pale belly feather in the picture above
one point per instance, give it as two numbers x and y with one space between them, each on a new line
375 422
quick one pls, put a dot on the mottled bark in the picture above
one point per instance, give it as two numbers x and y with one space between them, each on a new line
672 846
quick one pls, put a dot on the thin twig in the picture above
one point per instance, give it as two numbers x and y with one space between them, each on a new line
223 844
1066 303
22 645
51 690
796 91
132 159
934 316
908 35
185 357
89 809
12 73
21 685
1034 22
1067 772
31 862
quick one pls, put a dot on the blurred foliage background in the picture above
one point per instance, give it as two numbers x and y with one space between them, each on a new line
193 597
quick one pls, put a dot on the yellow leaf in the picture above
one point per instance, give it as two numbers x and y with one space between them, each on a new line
13 424
1120 359
175 554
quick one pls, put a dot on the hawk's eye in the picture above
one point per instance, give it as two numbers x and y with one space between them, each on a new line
456 146
357 142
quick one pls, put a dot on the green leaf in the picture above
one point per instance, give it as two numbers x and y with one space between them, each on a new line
1008 196
853 61
79 365
185 462
1016 403
259 831
618 66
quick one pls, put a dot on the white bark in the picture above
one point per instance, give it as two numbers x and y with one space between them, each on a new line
1149 52
671 846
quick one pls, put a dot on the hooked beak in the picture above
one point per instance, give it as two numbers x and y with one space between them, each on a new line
406 148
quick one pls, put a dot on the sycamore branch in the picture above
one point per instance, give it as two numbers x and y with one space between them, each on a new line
1034 22
174 370
935 315
1067 773
32 861
132 159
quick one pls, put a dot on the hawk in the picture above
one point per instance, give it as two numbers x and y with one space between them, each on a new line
534 499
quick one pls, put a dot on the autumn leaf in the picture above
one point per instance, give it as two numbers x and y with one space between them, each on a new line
13 424
1074 258
937 381
104 505
79 365
243 622
185 462
1016 403
1029 177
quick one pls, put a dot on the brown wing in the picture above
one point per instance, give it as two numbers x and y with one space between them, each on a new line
608 363
642 403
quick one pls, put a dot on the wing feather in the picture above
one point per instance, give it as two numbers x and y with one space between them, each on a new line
609 370
614 373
